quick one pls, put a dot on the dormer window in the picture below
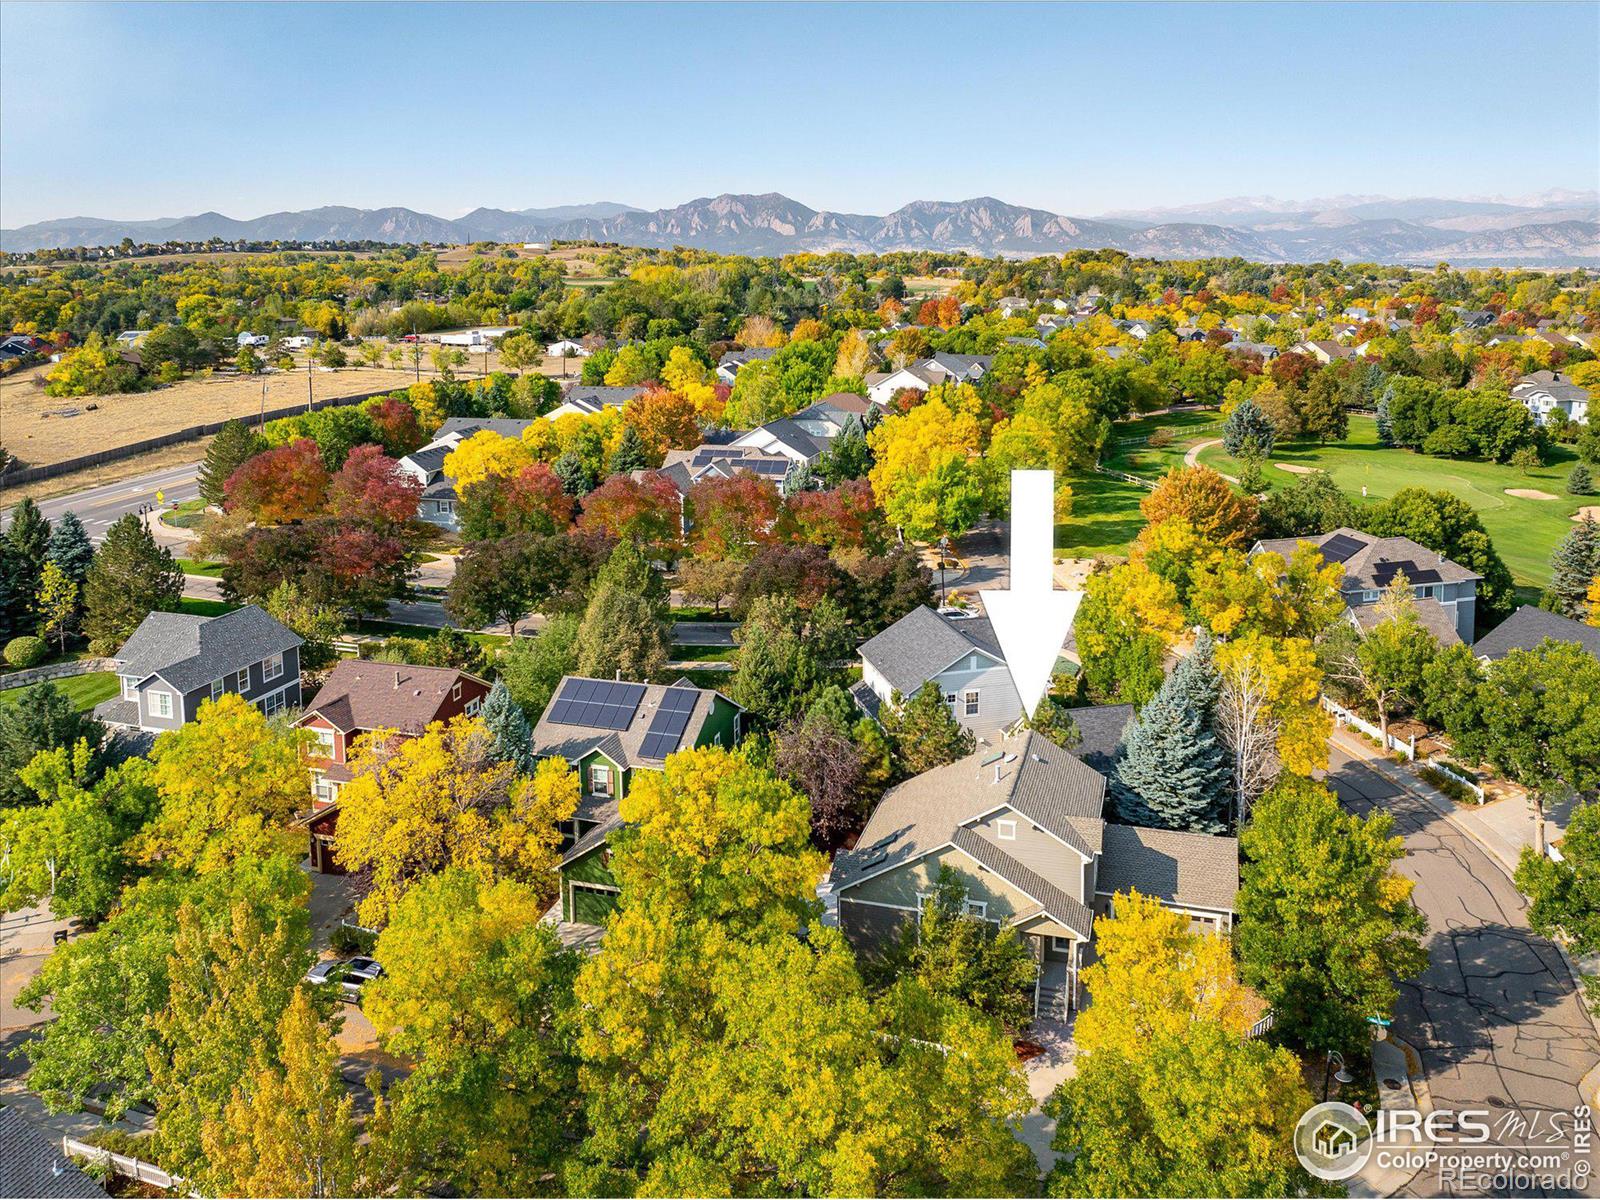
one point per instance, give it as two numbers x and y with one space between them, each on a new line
455 691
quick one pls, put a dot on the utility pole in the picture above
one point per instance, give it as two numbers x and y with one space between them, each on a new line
262 422
310 396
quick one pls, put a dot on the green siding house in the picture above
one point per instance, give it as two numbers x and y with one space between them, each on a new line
608 729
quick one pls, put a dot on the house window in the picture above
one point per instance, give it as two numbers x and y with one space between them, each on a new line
241 681
324 742
977 908
1006 831
950 699
600 780
327 792
130 687
455 691
216 689
160 703
272 704
473 706
1369 597
272 667
1061 945
970 701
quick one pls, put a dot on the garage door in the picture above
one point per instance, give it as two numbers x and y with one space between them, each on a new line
592 905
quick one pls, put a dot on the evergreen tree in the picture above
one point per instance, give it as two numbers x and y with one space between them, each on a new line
43 719
510 729
796 479
1171 772
624 626
1385 421
29 541
1581 481
70 548
1195 680
1247 433
630 454
131 578
924 734
1573 566
234 443
576 479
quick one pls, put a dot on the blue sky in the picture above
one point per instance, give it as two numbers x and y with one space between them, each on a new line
135 111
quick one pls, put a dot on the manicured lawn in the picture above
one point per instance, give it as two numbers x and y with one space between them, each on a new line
85 691
703 653
186 515
424 632
1523 531
1105 516
195 606
194 566
1152 462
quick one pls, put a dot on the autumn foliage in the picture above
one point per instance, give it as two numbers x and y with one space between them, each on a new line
288 483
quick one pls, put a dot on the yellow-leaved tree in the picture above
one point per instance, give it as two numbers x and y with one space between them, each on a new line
230 780
928 478
1269 713
486 453
1236 594
418 805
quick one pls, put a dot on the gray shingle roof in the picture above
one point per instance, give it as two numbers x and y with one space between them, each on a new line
1040 780
594 397
32 1164
1072 913
1372 565
190 652
1099 730
1433 616
922 643
1528 626
1196 870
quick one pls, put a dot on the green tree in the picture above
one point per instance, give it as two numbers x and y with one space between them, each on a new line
1310 506
57 605
107 986
1580 481
1326 923
1321 408
630 454
43 718
28 541
1385 665
235 442
1247 433
924 733
778 665
316 624
1573 565
532 667
1566 894
69 849
625 624
131 577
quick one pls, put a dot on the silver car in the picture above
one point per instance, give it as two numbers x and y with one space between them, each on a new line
350 974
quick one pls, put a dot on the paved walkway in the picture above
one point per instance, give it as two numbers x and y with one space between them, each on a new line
1192 457
1046 1073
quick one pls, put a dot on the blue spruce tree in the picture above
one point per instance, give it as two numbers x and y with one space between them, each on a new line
509 727
1171 773
70 548
1385 421
1195 680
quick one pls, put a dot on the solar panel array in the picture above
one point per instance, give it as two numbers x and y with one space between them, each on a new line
671 719
1385 572
1340 547
597 703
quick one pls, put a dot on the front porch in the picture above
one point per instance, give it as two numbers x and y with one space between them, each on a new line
1055 990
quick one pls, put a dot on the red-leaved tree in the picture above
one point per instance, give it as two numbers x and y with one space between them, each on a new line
844 516
395 422
286 483
732 518
372 487
645 510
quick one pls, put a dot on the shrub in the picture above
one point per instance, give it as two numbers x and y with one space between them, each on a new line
1159 438
1448 784
25 651
1525 459
1581 481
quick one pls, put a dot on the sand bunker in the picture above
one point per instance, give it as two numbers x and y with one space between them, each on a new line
1295 468
1530 494
1588 510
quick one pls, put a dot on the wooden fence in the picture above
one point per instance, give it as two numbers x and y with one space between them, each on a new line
21 475
123 1164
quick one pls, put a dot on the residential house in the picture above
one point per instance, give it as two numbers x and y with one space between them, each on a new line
1012 305
1325 352
922 375
439 502
36 1163
608 730
174 662
954 651
883 386
807 434
1371 564
1266 350
132 337
475 339
1526 628
588 399
729 364
1431 615
1546 392
566 348
361 697
1052 323
1031 342
1023 826
1475 318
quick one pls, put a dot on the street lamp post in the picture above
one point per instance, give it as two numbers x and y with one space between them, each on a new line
1341 1076
944 545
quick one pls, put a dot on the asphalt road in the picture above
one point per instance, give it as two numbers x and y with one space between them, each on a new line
1496 1017
99 507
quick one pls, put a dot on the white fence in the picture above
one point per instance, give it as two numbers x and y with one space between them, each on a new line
1459 778
1344 716
122 1164
1148 484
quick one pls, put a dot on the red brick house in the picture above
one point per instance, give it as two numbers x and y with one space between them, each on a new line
358 698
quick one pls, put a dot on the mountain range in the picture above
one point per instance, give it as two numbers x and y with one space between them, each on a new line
1560 228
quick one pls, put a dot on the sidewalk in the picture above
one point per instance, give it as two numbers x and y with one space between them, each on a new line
1401 1086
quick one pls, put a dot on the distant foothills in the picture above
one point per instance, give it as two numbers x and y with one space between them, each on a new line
1558 228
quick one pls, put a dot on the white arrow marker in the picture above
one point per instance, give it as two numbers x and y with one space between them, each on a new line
1031 618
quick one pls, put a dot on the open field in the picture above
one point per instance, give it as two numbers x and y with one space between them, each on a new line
85 691
1523 530
1152 462
1105 516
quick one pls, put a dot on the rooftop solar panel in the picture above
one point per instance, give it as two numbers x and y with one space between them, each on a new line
668 725
597 703
1340 547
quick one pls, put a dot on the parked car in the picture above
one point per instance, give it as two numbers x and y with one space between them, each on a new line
349 974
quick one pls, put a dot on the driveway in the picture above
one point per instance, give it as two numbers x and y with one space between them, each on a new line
1496 1017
